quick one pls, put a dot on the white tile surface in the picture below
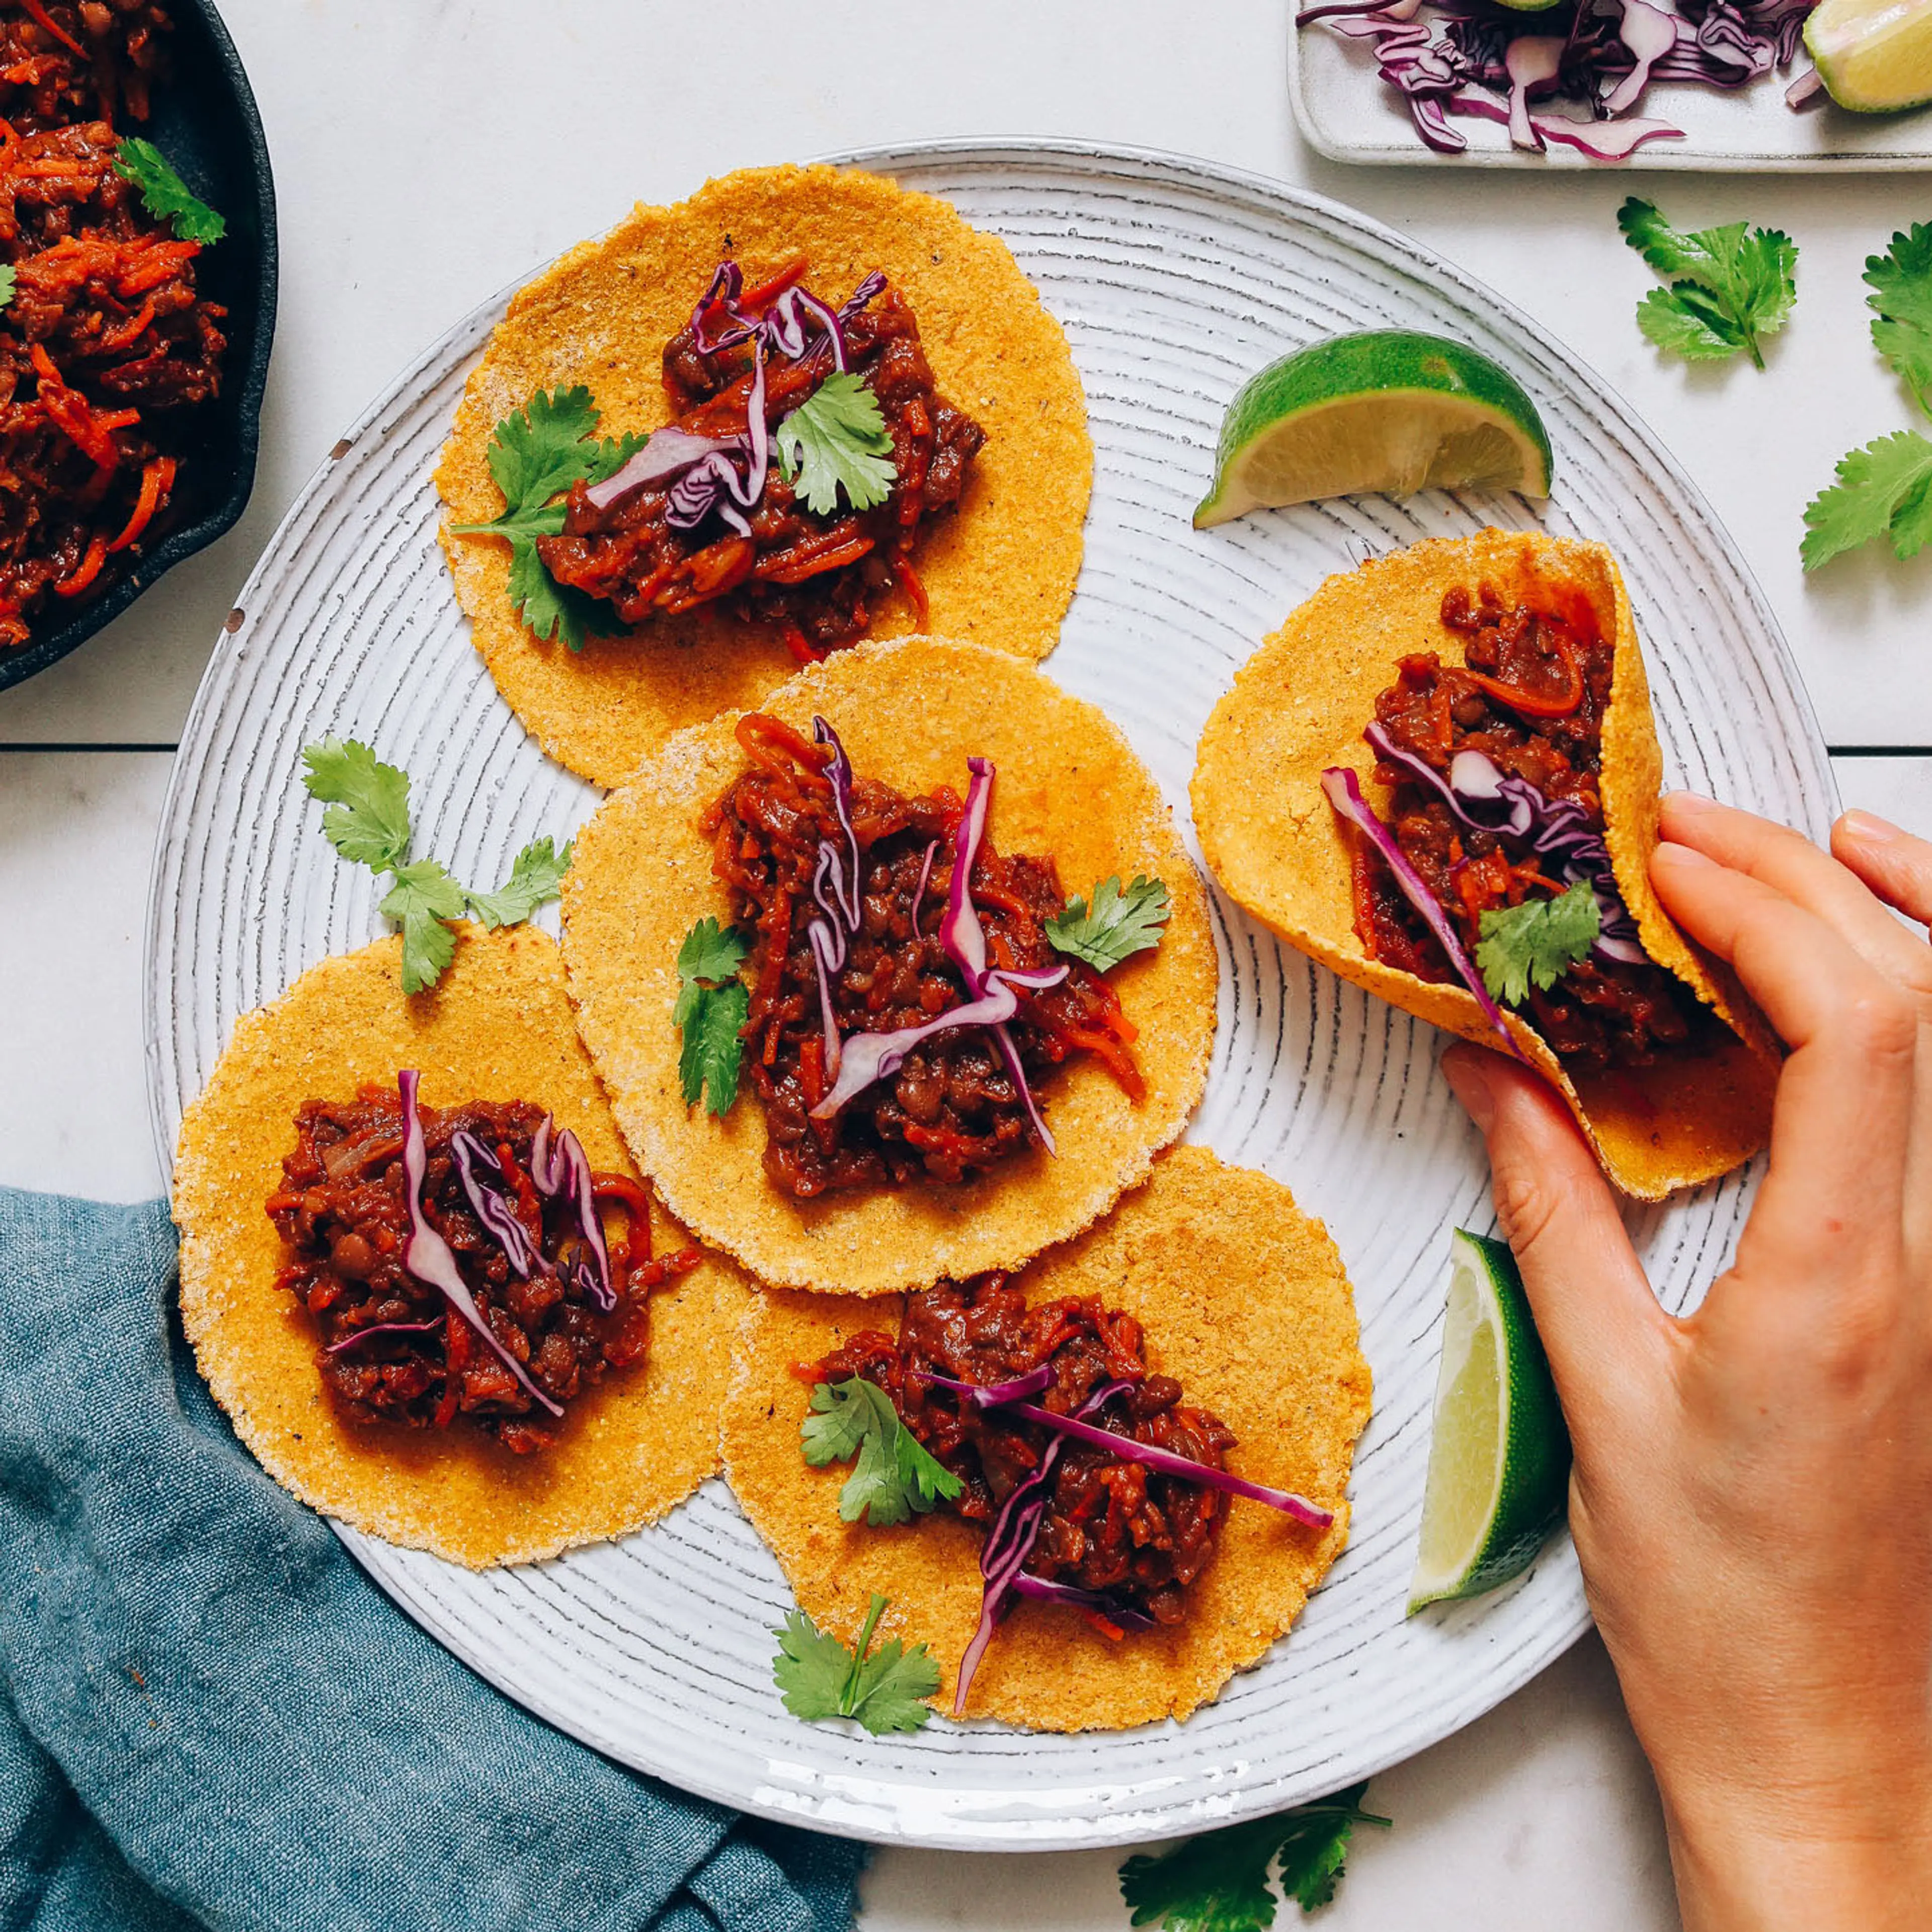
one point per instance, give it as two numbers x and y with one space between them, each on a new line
423 160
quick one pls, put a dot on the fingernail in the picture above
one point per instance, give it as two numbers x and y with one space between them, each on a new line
1469 1081
1686 855
1869 826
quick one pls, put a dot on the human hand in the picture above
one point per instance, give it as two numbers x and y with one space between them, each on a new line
1751 1497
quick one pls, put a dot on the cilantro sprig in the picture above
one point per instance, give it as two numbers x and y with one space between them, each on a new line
712 1004
164 193
1537 942
7 281
1735 285
837 439
1885 490
884 1689
896 1477
1219 1881
535 455
367 822
1119 925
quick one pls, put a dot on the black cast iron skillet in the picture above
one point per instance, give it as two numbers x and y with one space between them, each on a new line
204 120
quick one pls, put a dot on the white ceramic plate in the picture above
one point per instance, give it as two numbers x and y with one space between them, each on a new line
1348 112
1175 281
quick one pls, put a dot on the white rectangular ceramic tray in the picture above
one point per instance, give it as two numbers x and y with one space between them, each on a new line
1346 112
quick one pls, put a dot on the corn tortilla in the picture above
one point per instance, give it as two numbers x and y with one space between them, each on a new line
497 1027
909 712
1271 838
1000 571
1244 1301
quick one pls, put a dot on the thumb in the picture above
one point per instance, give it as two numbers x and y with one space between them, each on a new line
1600 1325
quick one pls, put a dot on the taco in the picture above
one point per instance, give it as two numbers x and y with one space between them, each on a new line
1440 778
447 1313
854 905
917 458
1206 1319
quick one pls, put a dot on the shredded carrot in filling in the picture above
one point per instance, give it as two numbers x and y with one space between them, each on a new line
108 351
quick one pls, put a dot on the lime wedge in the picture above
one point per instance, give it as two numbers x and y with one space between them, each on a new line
1499 1459
1872 55
1386 412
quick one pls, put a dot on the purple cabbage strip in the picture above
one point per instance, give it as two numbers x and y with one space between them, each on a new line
430 1258
993 1395
562 1172
1025 1584
492 1206
864 1057
840 772
1344 792
836 886
669 452
919 891
1166 1462
383 1328
992 1002
1650 33
1009 1543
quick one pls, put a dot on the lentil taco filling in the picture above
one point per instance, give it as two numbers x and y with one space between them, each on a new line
713 509
1126 1540
454 1262
107 347
1494 768
904 995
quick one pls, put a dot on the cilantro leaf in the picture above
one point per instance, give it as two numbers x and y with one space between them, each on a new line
164 193
421 897
368 820
712 1005
1901 299
836 439
1738 283
820 1678
535 454
7 279
536 874
1884 488
1218 1882
712 952
1120 925
1537 941
896 1477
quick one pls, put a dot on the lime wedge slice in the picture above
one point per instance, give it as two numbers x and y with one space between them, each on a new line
1386 412
1872 55
1499 1459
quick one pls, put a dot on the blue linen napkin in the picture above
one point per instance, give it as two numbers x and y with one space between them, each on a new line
209 1716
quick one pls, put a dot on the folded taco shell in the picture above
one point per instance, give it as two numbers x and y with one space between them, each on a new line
1278 848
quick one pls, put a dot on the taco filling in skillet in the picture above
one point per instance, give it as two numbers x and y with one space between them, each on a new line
908 988
454 1262
1491 867
809 445
1097 1485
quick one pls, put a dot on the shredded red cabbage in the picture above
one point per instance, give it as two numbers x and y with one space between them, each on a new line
1016 1527
668 452
1486 799
854 1064
429 1257
383 1328
562 1172
1473 58
482 1183
1345 794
